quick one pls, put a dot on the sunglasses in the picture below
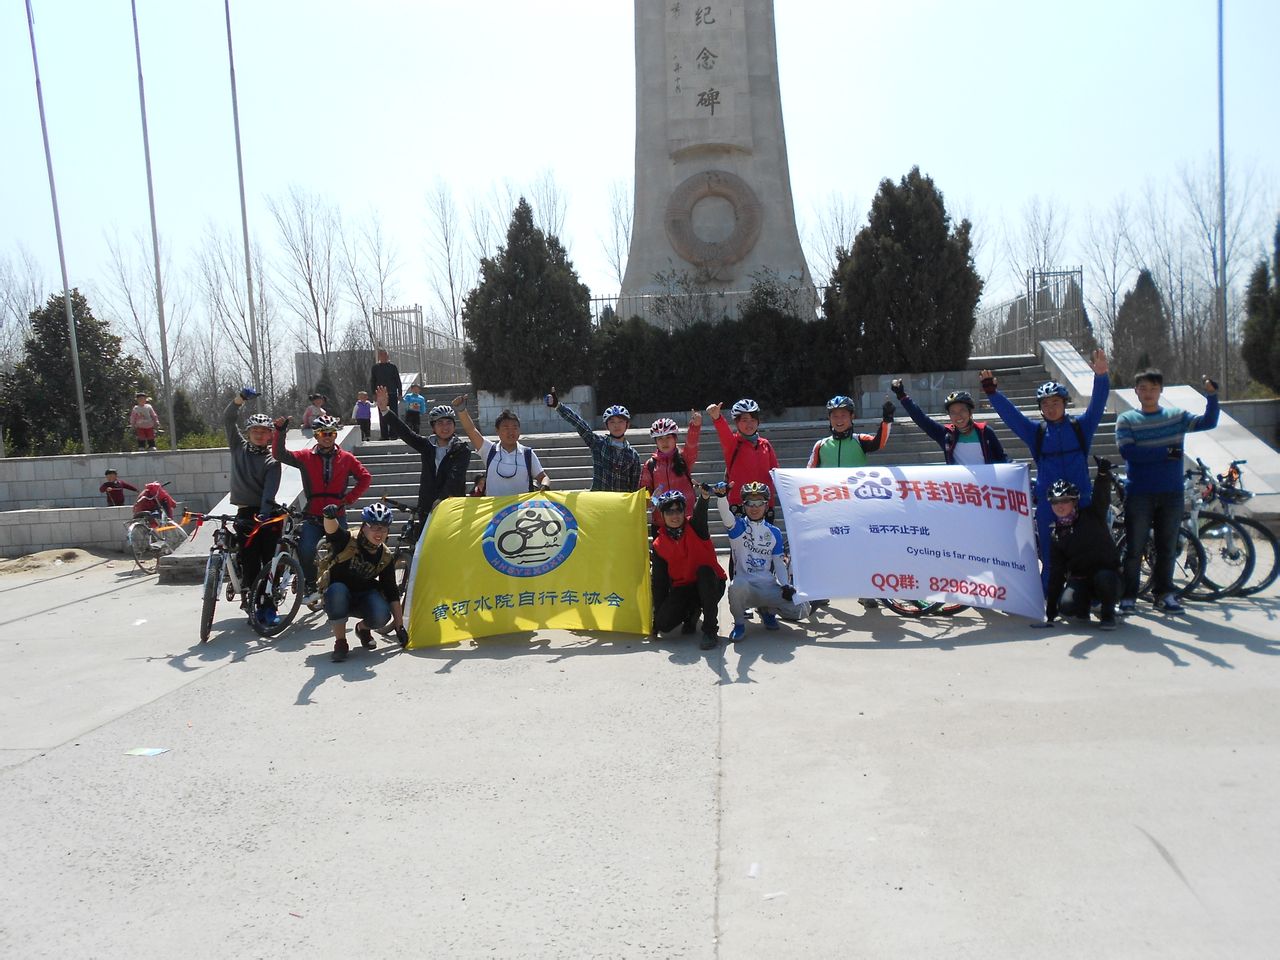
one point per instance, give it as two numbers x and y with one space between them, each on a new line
755 503
673 508
326 433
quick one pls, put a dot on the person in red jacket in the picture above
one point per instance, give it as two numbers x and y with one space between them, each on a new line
687 578
748 457
154 498
326 470
114 488
671 467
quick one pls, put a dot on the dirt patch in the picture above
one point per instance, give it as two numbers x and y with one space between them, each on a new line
47 559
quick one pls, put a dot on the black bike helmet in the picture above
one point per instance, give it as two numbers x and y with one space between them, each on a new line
1062 491
959 396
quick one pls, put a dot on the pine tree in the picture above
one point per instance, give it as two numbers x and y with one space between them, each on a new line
38 396
528 320
907 290
1141 335
1262 323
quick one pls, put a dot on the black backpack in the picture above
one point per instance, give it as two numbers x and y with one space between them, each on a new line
1044 429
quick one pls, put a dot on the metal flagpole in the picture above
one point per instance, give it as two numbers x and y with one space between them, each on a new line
255 372
57 229
155 240
1222 214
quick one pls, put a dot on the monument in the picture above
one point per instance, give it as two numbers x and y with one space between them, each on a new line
713 200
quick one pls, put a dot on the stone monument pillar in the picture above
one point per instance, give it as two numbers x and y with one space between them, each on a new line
712 190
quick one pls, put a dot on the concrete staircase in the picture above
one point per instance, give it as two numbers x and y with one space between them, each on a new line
395 467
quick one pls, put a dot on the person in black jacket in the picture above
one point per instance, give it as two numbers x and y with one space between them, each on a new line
1084 564
386 374
445 455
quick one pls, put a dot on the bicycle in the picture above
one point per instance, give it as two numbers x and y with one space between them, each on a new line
1228 549
280 585
145 534
922 608
1189 558
222 567
405 544
1230 492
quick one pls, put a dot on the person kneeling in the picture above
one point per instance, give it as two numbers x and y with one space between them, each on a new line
687 577
1084 564
359 576
759 562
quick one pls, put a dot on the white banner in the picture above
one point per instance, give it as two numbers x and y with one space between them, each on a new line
957 534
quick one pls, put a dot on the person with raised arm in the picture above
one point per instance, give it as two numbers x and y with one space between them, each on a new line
510 467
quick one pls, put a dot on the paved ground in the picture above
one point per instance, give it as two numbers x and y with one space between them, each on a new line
877 788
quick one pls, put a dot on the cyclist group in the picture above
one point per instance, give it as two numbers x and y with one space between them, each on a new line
1081 564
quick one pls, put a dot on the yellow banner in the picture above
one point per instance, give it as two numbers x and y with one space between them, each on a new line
566 561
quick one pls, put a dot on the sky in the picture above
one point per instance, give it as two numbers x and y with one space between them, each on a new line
372 103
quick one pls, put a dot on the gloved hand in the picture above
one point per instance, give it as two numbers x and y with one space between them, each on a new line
552 399
264 517
1210 386
788 591
1175 452
331 511
403 636
989 382
282 423
898 389
886 411
1105 466
247 392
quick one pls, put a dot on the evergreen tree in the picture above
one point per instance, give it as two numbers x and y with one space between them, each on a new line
907 291
38 396
186 419
1262 323
528 320
1141 334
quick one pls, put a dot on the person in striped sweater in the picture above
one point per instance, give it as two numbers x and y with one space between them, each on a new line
1150 440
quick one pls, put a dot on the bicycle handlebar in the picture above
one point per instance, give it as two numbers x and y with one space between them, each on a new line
400 505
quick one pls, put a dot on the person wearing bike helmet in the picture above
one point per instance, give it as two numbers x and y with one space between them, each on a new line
444 454
615 465
963 440
511 468
760 575
671 466
688 580
1084 564
1151 440
748 457
844 448
360 578
1059 444
327 471
255 480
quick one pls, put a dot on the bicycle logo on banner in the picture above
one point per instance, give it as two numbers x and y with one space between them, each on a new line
530 538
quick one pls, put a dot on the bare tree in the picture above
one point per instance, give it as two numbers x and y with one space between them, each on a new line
1037 242
452 268
129 299
835 222
1108 257
369 263
22 290
617 243
549 205
309 279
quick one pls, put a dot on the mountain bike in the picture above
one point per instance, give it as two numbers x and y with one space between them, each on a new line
1230 492
405 543
222 570
280 585
149 535
1189 555
1228 550
922 608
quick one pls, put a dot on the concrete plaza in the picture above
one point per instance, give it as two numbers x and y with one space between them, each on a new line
871 787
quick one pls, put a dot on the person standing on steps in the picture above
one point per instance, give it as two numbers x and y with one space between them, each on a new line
615 465
963 440
510 467
387 375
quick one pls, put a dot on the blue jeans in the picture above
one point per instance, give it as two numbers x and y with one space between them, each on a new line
340 601
310 537
1144 512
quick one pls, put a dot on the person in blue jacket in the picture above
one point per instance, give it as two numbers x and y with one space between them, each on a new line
1059 444
963 440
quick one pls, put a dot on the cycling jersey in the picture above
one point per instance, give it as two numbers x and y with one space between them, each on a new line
850 451
756 546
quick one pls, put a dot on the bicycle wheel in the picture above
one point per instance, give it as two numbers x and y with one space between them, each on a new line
950 609
213 573
140 545
1266 564
1228 556
1188 564
911 608
279 585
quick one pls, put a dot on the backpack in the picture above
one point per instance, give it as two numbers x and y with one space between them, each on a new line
326 559
528 463
1043 429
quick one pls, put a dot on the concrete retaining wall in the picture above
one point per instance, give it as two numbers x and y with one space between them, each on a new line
199 478
90 528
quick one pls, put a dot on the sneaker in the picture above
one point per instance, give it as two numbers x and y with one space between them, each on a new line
340 649
709 642
1107 621
1169 604
1127 607
770 619
738 632
690 626
366 636
313 599
268 617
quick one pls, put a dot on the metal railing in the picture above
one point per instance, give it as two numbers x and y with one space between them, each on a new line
680 309
1051 308
415 347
